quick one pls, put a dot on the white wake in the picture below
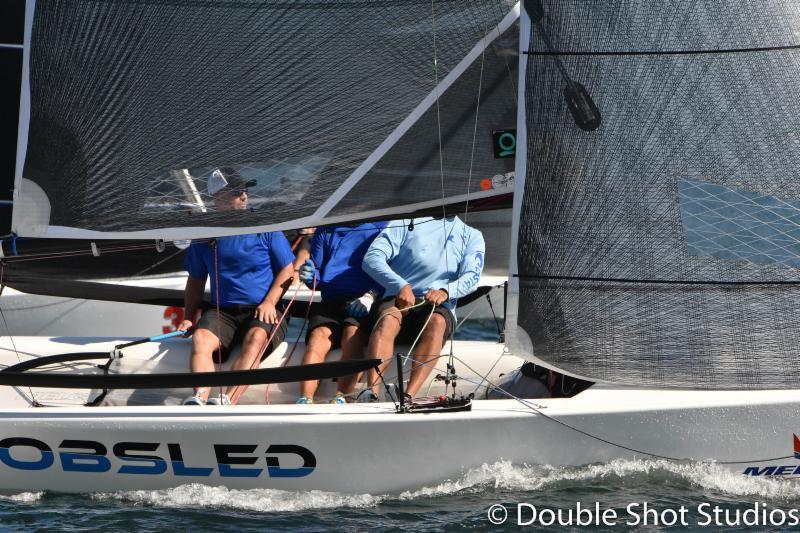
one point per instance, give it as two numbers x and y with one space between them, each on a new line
502 476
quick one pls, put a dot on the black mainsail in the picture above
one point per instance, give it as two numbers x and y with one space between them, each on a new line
337 108
662 248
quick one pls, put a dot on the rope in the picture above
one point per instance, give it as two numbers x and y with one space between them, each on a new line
537 409
32 398
384 315
441 165
299 334
257 361
218 362
416 340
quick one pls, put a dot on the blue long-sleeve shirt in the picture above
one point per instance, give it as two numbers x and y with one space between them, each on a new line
337 253
437 254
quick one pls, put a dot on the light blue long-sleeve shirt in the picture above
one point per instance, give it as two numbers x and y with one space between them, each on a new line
437 254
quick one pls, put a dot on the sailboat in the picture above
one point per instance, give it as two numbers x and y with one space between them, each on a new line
629 185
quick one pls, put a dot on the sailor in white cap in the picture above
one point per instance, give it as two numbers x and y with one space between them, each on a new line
249 274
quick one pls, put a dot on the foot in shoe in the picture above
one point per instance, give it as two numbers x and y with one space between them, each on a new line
304 400
339 399
222 399
194 400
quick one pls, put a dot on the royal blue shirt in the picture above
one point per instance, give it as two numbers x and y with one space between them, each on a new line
248 265
337 253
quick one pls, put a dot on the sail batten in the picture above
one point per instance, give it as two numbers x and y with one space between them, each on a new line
660 248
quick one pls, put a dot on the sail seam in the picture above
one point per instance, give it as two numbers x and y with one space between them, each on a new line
665 52
658 281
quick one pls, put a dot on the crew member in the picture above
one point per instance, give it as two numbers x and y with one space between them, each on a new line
347 294
424 266
249 274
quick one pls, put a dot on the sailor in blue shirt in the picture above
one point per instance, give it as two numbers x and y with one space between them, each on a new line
424 271
250 273
342 317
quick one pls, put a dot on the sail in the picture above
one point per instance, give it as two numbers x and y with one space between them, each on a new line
340 110
658 240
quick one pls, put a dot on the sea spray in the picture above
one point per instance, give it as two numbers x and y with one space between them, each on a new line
501 476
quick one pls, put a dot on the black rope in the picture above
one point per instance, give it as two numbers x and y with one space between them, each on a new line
494 316
536 409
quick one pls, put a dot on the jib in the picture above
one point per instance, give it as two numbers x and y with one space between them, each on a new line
233 460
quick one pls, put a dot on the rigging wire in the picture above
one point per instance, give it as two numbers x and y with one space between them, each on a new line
299 334
416 340
32 399
537 409
441 173
383 315
238 391
214 245
466 203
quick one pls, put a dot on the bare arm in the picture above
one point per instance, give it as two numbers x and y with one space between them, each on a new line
266 310
192 298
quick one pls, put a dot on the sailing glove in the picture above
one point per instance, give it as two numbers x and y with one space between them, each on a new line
360 306
307 271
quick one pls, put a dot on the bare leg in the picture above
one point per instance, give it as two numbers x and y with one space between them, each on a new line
203 345
381 343
320 341
428 349
252 344
353 341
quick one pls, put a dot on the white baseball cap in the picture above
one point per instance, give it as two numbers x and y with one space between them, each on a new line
229 178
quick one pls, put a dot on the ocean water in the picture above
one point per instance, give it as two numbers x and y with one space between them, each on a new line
453 505
741 503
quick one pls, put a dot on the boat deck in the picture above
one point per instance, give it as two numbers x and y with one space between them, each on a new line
479 358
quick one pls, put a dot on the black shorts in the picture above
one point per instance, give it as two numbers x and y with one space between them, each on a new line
235 321
414 320
332 313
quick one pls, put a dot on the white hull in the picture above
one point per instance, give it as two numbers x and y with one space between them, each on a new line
360 448
366 448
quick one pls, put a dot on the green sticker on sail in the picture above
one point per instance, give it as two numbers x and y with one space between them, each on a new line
505 143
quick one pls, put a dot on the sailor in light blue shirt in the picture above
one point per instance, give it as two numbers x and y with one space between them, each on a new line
424 266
